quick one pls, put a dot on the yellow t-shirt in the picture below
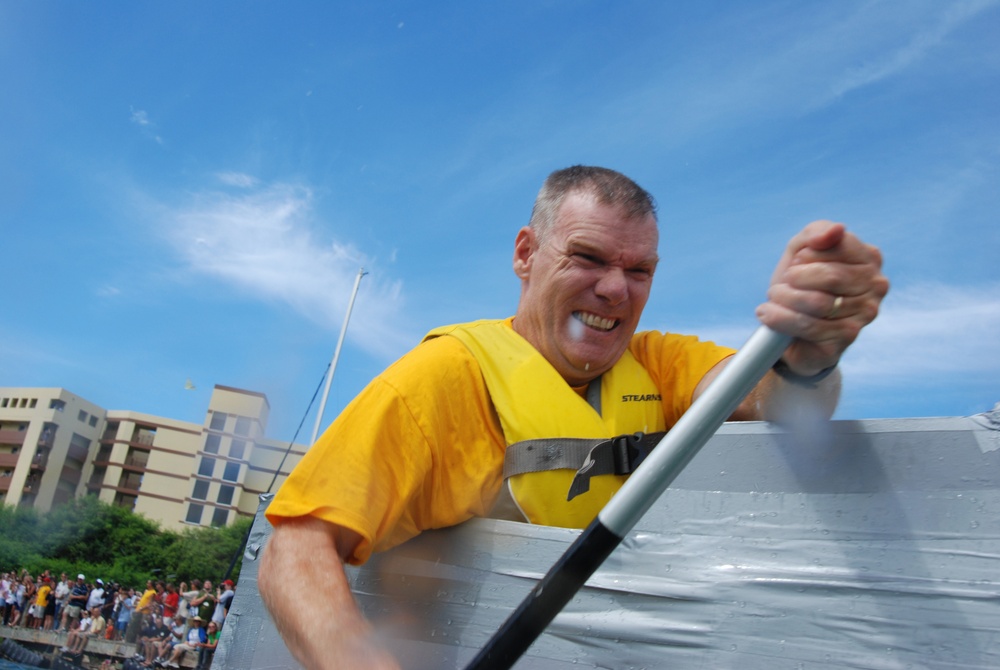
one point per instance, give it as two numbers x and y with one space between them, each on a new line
42 599
146 601
421 446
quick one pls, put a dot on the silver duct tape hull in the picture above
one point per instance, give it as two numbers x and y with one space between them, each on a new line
872 545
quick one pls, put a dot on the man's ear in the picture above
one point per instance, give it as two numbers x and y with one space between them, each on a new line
524 250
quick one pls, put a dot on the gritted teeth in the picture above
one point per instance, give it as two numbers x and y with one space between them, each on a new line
594 321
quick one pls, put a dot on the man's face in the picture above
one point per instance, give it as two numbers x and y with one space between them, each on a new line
584 285
208 585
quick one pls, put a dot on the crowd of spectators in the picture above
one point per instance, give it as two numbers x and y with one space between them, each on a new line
164 620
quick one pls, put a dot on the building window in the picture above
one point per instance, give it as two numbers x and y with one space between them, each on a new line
237 449
232 472
212 443
220 516
200 490
137 458
82 416
194 513
3 403
57 405
226 495
242 425
207 467
93 421
33 403
104 453
125 500
218 421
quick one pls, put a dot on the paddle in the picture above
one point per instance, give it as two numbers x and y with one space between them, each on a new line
634 498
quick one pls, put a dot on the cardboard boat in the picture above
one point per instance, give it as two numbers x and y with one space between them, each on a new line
857 544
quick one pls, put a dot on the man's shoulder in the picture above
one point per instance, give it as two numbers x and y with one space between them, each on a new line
432 363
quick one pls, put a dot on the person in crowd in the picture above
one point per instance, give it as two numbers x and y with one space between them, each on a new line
45 605
63 588
204 602
92 626
142 614
171 601
206 649
27 600
154 631
224 598
76 604
195 636
178 629
186 596
110 601
123 610
6 598
161 592
96 596
423 445
10 599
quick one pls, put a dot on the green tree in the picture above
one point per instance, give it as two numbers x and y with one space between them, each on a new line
101 540
205 553
18 537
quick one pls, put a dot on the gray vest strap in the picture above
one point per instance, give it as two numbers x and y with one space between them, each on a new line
588 456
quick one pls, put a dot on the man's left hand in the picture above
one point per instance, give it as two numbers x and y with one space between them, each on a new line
827 286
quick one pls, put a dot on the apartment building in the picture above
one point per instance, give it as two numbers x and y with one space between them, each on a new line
55 446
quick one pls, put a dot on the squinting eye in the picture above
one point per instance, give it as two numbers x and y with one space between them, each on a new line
588 260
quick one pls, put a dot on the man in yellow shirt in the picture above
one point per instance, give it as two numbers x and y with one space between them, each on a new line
142 613
424 445
43 617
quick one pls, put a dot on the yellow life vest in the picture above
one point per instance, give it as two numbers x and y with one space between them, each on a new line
534 402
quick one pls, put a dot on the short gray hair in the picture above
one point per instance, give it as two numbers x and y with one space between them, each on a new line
607 186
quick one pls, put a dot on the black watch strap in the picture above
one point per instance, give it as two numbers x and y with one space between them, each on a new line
782 370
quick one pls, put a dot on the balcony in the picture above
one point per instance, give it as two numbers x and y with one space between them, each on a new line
70 476
12 437
130 485
4 484
9 460
40 462
77 452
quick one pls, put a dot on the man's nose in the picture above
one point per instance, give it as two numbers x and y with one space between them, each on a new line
613 285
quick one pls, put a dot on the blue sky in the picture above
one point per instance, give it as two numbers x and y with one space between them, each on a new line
188 189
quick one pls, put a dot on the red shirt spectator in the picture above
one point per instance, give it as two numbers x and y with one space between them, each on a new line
170 601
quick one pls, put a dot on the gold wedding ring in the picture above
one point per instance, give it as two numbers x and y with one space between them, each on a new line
837 303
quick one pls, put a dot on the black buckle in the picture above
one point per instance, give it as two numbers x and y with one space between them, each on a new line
620 455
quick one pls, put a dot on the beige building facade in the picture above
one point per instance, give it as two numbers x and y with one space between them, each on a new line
55 446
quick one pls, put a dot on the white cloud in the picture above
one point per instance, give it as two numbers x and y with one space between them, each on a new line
140 117
267 242
885 65
108 291
238 179
924 332
772 69
930 330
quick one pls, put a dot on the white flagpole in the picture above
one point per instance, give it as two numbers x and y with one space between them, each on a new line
336 356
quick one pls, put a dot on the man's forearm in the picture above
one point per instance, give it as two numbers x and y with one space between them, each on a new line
788 402
302 558
782 401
